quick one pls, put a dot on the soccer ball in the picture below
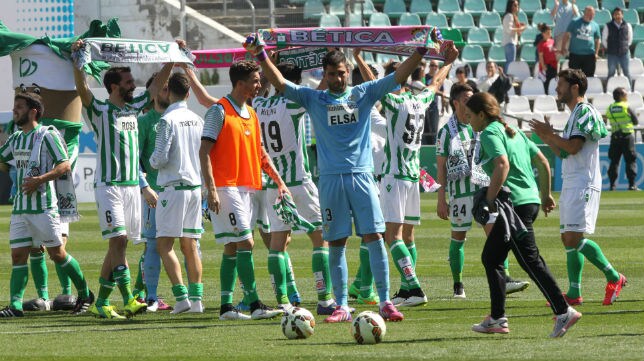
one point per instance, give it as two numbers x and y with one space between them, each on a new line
298 323
368 328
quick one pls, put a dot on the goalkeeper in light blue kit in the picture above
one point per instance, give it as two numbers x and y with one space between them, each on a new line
342 124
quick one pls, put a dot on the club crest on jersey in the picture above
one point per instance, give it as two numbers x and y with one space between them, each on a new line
164 202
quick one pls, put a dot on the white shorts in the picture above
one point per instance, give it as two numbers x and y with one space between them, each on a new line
179 213
460 213
119 211
64 229
306 200
260 211
233 223
34 230
578 210
400 200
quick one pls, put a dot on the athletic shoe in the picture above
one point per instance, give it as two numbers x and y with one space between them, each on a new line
286 307
105 312
339 315
82 304
578 301
163 306
372 299
513 286
196 307
613 289
295 299
564 322
64 303
459 291
242 306
181 306
37 304
390 313
326 310
11 312
416 298
400 297
140 300
262 312
230 313
134 307
490 325
153 306
354 291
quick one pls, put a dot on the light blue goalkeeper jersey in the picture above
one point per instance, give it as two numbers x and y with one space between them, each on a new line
342 123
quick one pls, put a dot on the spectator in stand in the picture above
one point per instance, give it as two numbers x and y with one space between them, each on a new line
562 14
489 78
462 74
547 56
512 28
617 37
433 113
582 41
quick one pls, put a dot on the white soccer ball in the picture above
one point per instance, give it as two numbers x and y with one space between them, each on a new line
298 323
368 328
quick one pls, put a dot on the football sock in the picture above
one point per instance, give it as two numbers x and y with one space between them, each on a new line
65 281
180 292
40 274
456 259
277 270
339 273
321 276
17 285
152 267
378 260
291 286
575 266
72 269
121 276
366 276
227 278
139 287
246 270
411 247
402 260
595 255
195 292
506 267
105 289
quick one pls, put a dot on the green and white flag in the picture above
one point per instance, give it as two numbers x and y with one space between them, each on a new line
130 51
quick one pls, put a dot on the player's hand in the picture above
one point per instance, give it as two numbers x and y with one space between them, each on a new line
542 129
253 45
548 204
150 196
31 184
442 209
213 202
77 44
356 52
182 43
282 190
451 53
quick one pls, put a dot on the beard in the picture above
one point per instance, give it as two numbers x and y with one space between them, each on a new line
126 94
163 103
22 120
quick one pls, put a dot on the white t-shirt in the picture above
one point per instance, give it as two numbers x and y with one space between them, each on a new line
509 35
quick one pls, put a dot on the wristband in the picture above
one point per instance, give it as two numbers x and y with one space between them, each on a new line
262 56
422 50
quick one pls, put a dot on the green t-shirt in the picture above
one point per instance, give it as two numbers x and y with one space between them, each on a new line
147 137
494 143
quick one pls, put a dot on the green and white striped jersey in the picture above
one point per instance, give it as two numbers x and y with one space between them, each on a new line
71 134
116 134
282 125
18 147
405 115
464 186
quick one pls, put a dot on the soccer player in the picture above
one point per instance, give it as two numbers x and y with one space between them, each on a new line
232 158
117 161
340 116
176 156
578 148
282 125
41 158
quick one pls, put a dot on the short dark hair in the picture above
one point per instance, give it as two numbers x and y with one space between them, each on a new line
543 27
415 75
33 100
113 76
333 58
456 91
619 94
575 77
290 72
356 76
241 70
616 9
179 84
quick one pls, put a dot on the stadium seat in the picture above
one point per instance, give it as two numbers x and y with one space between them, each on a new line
496 54
601 17
409 19
474 7
523 17
355 20
532 87
519 70
531 7
330 21
436 19
559 120
420 7
490 20
455 65
550 4
498 6
366 8
528 35
635 101
453 35
498 36
313 9
518 104
636 4
379 20
480 70
631 16
595 87
528 53
602 101
472 54
638 84
553 86
546 105
635 67
394 8
542 16
336 7
462 21
478 36
618 81
385 58
581 5
601 68
448 7
612 4
638 33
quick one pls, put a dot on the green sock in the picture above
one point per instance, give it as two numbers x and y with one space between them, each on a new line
180 292
121 275
227 278
246 271
195 291
321 274
411 247
595 255
40 274
139 287
575 266
506 267
291 286
277 271
72 269
456 259
402 260
17 285
65 281
104 291
366 277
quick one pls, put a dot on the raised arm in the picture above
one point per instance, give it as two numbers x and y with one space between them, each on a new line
439 78
160 79
198 89
366 73
407 67
80 79
268 68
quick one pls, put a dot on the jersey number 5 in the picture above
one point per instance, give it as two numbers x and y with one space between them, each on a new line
411 134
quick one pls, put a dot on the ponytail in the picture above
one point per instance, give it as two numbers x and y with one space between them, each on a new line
487 103
508 129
